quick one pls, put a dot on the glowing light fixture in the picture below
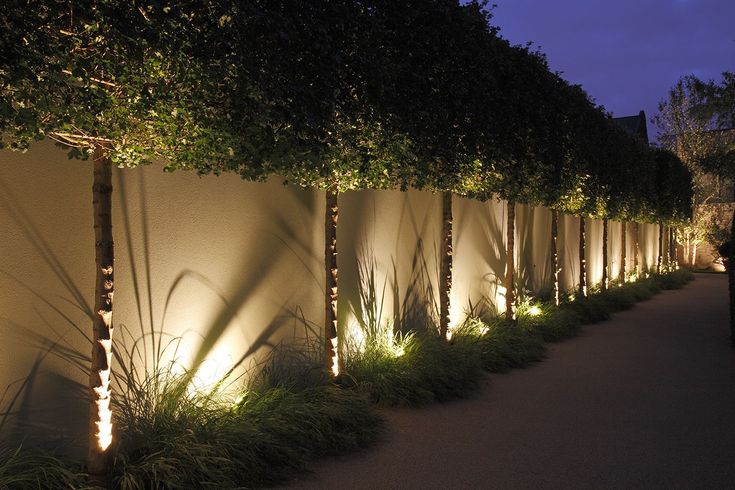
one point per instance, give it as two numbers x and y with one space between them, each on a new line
534 310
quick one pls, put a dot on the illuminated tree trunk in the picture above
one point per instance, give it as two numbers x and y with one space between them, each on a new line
694 255
555 253
636 249
510 260
445 288
605 278
659 262
623 252
582 260
100 420
672 248
332 360
731 282
676 250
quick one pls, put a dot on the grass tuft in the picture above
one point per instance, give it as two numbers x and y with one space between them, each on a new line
173 438
592 309
674 280
23 468
420 370
502 345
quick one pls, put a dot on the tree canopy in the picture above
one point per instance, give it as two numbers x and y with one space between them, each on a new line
339 94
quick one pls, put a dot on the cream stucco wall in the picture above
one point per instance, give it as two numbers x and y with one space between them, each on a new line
186 244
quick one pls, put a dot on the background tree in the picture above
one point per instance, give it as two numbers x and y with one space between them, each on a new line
717 106
687 132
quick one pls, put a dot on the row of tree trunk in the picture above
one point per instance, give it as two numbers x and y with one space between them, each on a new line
332 360
100 433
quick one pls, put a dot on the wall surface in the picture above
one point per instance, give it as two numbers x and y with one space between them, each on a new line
187 246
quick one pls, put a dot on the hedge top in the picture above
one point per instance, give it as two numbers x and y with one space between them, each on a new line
342 94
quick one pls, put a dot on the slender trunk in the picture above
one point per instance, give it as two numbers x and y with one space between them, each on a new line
605 277
731 282
672 248
676 251
688 251
582 260
636 249
694 255
100 423
555 253
445 288
510 261
623 245
332 360
659 262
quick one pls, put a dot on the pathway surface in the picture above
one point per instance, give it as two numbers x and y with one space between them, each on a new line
645 400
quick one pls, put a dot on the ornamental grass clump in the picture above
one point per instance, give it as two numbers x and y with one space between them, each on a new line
558 324
618 299
24 468
643 289
413 370
170 435
502 345
674 280
591 309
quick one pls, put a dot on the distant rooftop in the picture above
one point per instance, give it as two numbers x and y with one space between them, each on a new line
634 125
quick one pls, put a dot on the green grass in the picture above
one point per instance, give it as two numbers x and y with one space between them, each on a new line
502 345
592 309
290 414
417 371
674 280
33 469
170 438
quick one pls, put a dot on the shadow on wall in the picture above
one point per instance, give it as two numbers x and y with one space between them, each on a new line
385 270
47 327
480 257
534 253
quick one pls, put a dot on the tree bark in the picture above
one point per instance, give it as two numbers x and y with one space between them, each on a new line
659 262
332 360
636 249
510 261
100 420
623 252
694 255
605 276
731 282
445 288
555 253
582 259
672 248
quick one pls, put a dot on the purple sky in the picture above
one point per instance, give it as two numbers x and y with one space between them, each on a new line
625 53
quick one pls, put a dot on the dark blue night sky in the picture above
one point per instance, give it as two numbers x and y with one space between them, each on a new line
625 53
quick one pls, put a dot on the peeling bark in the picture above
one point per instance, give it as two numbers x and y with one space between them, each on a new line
510 262
636 250
445 288
555 253
605 277
100 420
623 252
582 259
331 347
659 262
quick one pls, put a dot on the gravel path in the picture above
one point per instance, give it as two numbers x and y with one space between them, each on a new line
645 400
